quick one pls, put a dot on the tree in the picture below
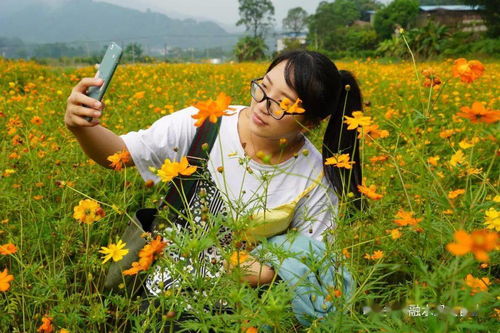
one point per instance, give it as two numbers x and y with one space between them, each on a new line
132 51
295 21
250 48
399 12
256 16
489 11
327 26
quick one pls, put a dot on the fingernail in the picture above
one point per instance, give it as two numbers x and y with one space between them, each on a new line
97 104
97 114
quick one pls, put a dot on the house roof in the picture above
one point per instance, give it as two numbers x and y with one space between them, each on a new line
448 7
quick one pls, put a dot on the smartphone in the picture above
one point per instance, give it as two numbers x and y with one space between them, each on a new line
105 72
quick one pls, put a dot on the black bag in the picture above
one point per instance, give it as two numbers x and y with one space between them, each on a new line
146 219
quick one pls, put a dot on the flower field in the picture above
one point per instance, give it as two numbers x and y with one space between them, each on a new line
423 254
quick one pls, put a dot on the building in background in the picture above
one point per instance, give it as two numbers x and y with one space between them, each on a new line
287 37
460 17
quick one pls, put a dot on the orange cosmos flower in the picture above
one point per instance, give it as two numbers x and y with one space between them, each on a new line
357 120
286 105
88 211
119 160
169 170
5 279
36 120
7 249
346 253
376 255
46 326
146 256
468 71
372 132
139 95
406 218
212 109
476 284
155 247
456 193
479 242
340 161
478 113
136 268
370 192
380 158
433 160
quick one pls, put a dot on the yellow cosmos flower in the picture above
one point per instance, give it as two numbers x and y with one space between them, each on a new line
88 211
492 219
457 158
169 170
114 251
357 120
340 161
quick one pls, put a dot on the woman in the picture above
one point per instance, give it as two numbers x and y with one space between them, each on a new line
283 166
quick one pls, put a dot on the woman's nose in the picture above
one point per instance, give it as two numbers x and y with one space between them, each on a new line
262 107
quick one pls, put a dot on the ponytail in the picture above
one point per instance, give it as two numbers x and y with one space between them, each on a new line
339 140
322 89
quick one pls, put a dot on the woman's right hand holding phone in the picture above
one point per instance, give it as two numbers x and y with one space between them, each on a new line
79 105
97 142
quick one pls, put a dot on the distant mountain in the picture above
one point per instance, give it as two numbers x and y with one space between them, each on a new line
96 23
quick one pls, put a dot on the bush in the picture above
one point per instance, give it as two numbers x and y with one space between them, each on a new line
398 12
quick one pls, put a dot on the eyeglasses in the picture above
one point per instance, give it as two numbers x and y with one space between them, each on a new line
273 106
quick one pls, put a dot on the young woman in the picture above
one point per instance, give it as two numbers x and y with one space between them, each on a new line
293 188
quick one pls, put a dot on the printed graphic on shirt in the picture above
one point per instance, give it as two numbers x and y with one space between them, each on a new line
206 199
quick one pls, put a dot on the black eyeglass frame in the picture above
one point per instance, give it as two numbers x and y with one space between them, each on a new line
268 100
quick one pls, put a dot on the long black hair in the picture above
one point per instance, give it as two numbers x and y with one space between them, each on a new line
326 91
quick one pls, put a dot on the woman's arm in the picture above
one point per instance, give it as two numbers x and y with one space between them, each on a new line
96 141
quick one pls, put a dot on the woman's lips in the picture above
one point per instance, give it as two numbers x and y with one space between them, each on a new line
257 120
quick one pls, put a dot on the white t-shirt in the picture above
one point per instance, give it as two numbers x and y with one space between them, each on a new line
267 186
170 137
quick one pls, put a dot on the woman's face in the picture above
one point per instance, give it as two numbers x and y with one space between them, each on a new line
261 123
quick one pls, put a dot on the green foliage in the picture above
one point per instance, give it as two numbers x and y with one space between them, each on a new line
296 20
398 13
393 47
292 44
250 48
464 44
428 41
132 52
256 16
331 15
329 24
